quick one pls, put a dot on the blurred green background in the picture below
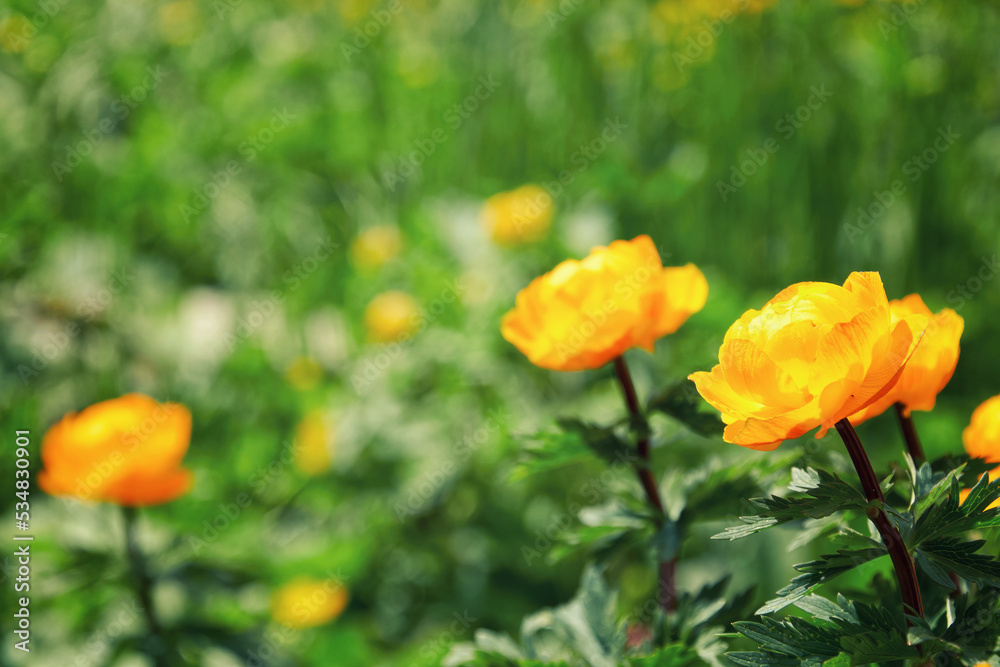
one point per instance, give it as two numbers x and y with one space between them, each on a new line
186 184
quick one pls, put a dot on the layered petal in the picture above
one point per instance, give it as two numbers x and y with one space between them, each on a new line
584 313
932 363
813 355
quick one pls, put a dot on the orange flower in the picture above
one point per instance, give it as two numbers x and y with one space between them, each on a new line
305 603
519 216
127 451
982 438
583 314
813 355
932 364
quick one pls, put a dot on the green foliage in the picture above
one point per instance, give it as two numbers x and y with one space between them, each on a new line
681 402
825 492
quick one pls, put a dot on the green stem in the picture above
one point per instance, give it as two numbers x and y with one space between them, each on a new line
143 584
667 593
902 563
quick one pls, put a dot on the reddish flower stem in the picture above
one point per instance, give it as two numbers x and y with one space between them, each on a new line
910 435
144 587
667 593
902 563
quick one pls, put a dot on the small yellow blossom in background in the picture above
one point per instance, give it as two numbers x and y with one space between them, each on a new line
519 216
352 11
392 317
313 437
306 603
375 246
583 314
813 355
15 33
304 373
180 22
126 451
981 438
932 364
683 19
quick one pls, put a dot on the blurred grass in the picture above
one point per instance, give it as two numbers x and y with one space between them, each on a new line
172 330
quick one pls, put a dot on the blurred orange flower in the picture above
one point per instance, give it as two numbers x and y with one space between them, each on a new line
305 603
519 216
982 438
126 451
813 355
932 364
391 317
583 314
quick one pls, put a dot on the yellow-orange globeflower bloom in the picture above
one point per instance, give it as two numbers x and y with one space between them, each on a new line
932 364
519 216
583 314
982 438
312 440
391 317
375 246
306 603
813 355
126 451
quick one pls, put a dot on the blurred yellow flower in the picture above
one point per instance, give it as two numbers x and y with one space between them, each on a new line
306 603
126 450
391 317
304 373
813 355
313 438
375 246
932 364
15 33
583 314
519 216
180 22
